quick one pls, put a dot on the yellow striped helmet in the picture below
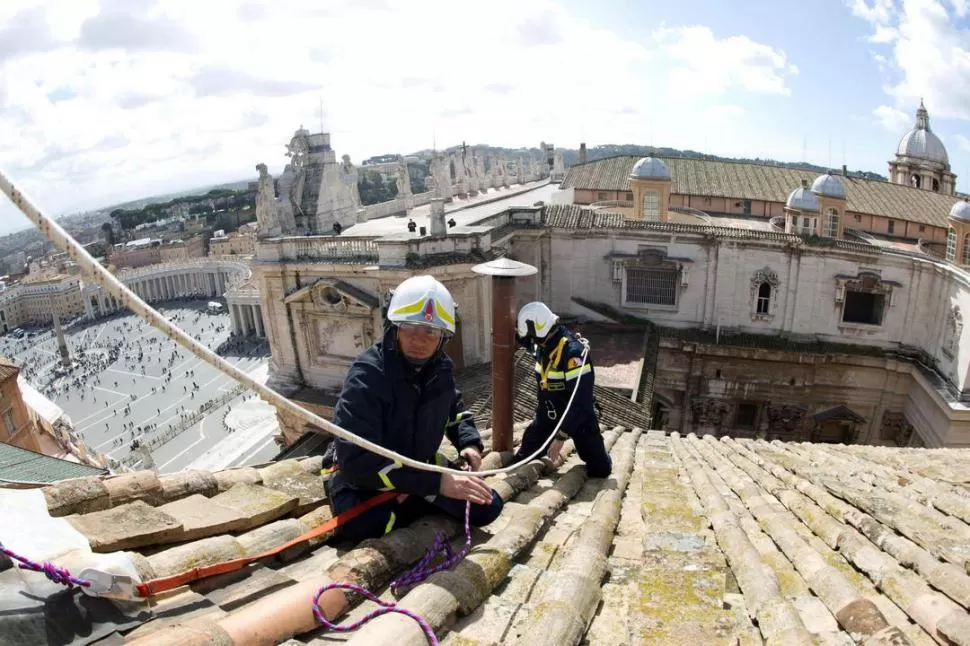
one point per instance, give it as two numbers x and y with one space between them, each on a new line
536 320
422 300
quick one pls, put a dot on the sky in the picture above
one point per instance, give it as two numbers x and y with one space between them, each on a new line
103 101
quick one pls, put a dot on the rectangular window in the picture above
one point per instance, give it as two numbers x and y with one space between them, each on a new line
746 207
892 227
951 245
629 197
863 307
858 218
652 286
602 196
747 416
922 228
651 206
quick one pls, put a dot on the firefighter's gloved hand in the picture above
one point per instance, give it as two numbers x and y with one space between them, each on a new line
554 450
524 341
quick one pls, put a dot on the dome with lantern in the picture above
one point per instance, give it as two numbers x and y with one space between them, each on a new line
921 142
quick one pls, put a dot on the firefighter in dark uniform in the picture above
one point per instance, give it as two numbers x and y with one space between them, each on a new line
559 365
401 394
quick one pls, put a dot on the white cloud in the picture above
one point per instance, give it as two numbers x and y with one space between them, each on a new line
877 12
930 52
102 101
893 120
702 64
723 114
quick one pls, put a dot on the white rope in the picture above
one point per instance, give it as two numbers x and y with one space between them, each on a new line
53 232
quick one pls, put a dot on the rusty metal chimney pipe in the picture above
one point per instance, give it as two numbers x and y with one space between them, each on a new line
503 272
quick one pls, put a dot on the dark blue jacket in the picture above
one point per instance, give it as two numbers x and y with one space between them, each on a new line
385 401
561 379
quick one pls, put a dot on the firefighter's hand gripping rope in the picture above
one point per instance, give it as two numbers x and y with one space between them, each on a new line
56 234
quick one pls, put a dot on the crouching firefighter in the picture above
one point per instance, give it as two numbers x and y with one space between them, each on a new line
401 394
559 364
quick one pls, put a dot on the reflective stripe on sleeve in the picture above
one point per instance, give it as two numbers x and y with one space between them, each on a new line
390 523
382 474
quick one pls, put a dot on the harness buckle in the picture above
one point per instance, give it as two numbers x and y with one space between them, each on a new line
108 585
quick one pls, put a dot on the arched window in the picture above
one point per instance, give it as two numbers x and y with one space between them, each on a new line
936 185
915 181
965 260
651 206
831 224
951 245
764 298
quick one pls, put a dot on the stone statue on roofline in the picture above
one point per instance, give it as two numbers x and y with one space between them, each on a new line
350 177
267 218
403 179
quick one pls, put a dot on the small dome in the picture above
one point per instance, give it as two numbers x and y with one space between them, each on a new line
829 186
802 198
961 211
650 167
921 142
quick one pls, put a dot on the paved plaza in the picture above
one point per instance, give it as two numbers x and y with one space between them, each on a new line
133 391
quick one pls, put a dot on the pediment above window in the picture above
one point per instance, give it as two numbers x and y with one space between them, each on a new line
335 295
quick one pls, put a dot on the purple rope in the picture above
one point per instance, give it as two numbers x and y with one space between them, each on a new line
415 575
53 572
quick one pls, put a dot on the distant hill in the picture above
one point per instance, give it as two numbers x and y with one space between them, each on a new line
240 185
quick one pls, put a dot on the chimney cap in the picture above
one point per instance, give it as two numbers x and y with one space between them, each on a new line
504 267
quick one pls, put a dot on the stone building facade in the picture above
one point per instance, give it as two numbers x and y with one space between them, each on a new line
16 426
34 301
913 204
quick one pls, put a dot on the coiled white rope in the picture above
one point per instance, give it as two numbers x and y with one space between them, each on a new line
56 234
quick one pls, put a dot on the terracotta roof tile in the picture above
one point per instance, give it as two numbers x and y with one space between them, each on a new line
815 543
738 180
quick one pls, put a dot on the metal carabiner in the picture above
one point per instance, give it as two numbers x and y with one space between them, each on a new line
551 411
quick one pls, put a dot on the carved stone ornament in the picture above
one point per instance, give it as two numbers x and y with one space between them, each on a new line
328 297
708 412
896 427
952 332
764 275
760 277
785 419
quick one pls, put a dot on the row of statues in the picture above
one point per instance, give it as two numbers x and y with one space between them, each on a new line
316 193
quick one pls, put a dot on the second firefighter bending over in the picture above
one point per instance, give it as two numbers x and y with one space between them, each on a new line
559 364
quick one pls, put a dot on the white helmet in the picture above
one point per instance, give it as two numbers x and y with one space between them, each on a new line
422 300
541 318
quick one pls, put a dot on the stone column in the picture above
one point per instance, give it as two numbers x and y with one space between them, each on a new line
244 320
258 316
88 309
234 317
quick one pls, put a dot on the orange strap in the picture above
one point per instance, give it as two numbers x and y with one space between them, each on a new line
156 586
